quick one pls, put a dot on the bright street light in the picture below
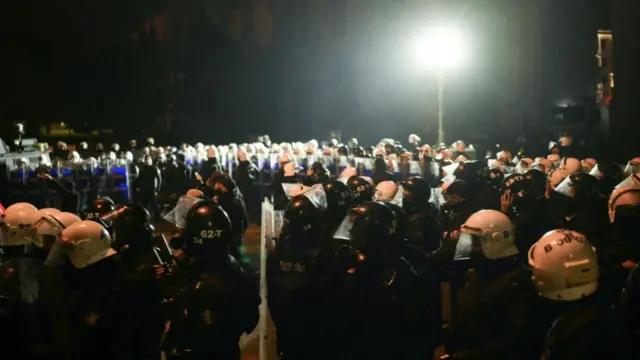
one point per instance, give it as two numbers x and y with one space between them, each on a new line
440 49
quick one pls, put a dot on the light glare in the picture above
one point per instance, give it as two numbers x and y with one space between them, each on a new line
439 48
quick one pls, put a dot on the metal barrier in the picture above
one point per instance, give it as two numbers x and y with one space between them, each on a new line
267 342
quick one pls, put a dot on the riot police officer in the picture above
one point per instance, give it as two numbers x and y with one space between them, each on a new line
98 323
227 194
377 298
297 299
19 270
565 274
362 189
491 305
98 208
423 229
221 300
141 249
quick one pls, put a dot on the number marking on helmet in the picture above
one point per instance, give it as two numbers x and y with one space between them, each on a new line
567 239
211 234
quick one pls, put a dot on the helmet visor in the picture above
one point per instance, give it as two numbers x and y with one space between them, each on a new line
447 172
632 181
290 189
565 187
344 230
178 214
469 245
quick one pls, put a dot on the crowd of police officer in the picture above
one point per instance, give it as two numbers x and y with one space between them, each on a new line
357 267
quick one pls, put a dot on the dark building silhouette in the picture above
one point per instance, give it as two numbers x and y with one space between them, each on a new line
625 105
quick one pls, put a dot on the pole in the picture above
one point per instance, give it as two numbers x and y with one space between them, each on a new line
440 110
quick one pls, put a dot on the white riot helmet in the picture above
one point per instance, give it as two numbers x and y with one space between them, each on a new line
623 196
388 191
42 212
88 242
17 219
571 166
74 157
48 227
523 165
542 164
633 166
555 178
565 266
488 230
554 159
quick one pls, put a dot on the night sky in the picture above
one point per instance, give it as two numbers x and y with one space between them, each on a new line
74 61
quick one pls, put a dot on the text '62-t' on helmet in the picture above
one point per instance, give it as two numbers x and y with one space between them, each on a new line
98 208
86 242
565 266
370 228
302 226
207 231
361 188
488 234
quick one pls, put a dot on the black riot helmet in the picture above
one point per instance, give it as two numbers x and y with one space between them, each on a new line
207 232
584 186
537 182
302 223
343 150
130 226
362 189
98 208
609 175
359 152
416 193
515 183
458 191
339 201
496 176
371 229
401 223
473 171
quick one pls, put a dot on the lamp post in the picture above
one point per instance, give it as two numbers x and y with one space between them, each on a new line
440 110
439 49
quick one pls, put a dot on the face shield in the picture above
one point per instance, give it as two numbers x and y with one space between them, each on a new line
317 196
632 167
43 233
448 172
178 214
469 244
13 235
292 190
344 230
633 181
565 187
